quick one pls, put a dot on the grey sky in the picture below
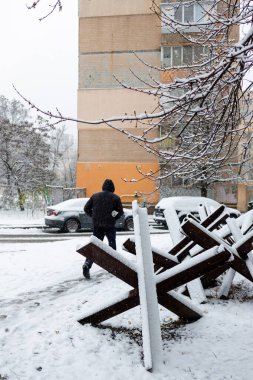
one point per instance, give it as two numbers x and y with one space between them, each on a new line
40 57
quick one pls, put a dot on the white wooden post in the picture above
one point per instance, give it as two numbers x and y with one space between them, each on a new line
203 211
247 222
151 329
229 276
195 288
173 224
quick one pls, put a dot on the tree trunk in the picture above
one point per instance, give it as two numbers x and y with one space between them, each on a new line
204 191
21 199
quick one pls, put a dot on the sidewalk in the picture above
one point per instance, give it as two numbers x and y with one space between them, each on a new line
27 219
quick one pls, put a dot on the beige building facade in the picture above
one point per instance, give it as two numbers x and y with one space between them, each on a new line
109 32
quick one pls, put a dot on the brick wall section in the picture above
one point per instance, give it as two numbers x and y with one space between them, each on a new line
168 76
103 103
93 174
96 8
105 144
171 39
108 34
98 70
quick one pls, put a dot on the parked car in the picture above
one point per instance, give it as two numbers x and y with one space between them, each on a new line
185 205
250 205
69 216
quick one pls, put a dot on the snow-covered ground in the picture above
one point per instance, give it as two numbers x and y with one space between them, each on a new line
43 294
22 218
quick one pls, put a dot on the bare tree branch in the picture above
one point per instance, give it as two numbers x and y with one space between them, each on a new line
56 5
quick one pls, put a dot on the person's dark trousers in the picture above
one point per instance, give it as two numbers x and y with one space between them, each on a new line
100 233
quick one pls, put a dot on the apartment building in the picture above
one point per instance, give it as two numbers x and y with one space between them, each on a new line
109 32
246 153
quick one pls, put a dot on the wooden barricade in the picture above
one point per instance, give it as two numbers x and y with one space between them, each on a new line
180 251
204 253
207 239
172 279
129 275
203 236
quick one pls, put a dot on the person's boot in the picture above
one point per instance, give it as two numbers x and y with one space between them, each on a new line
86 271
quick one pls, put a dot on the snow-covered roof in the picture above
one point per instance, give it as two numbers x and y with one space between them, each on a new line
70 204
77 204
186 202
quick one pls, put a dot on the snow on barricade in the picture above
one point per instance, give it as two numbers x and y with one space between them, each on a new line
187 264
118 256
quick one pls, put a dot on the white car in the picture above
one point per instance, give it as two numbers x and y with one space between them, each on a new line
69 216
185 205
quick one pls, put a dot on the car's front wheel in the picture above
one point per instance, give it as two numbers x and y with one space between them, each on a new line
71 225
129 224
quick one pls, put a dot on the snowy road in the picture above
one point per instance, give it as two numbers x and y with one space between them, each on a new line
45 236
43 294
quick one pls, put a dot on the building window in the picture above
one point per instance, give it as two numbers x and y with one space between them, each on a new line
192 13
169 99
168 143
184 14
176 56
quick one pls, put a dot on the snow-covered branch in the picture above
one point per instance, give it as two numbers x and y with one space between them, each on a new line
56 5
199 124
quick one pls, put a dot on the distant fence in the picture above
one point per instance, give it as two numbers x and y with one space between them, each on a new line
226 192
38 199
57 194
250 190
179 191
221 192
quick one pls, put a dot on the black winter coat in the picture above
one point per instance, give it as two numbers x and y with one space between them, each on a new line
100 207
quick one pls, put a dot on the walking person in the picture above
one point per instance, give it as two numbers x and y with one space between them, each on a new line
105 208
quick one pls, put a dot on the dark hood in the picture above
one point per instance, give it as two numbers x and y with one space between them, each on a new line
108 185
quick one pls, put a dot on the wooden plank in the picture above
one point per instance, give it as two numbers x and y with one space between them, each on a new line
244 248
248 229
208 279
196 291
158 259
203 237
226 283
247 222
249 262
185 252
198 267
115 308
176 306
198 236
205 223
109 263
167 300
180 245
240 266
236 234
212 217
151 327
129 246
181 255
218 222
